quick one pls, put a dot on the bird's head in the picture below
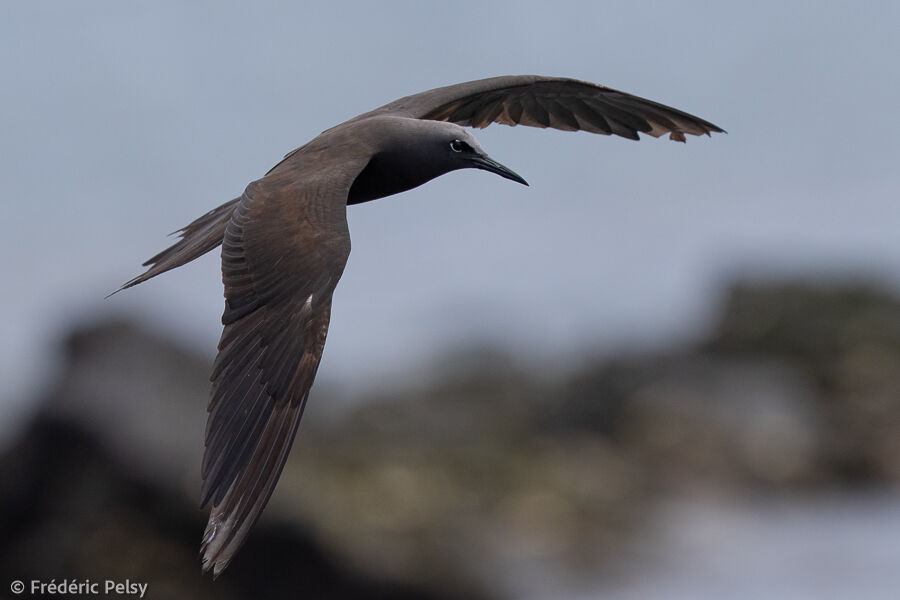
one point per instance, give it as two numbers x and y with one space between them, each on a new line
460 150
409 152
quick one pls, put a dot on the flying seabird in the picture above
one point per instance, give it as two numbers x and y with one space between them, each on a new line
285 243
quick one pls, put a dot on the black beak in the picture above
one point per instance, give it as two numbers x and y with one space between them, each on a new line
489 164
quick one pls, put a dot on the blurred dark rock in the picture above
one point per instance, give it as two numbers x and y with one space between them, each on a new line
846 341
69 511
811 324
140 396
490 473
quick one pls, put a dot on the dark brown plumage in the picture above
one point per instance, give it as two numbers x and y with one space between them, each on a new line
555 102
285 243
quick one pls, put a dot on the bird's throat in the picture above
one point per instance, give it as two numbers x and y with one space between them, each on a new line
385 176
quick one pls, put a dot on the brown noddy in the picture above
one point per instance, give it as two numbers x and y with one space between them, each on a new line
285 243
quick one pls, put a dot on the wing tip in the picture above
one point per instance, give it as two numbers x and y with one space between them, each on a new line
678 135
214 550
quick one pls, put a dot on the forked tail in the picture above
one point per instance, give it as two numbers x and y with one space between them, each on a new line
198 238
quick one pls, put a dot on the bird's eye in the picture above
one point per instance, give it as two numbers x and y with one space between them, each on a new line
459 146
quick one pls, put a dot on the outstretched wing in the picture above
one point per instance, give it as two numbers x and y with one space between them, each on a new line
557 102
284 250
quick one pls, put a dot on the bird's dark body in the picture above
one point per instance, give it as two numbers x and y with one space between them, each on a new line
285 242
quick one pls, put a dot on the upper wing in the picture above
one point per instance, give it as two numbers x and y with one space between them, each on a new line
557 102
284 250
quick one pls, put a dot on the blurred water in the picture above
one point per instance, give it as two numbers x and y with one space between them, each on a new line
812 549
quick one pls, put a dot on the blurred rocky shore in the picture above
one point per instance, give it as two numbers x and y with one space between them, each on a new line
469 486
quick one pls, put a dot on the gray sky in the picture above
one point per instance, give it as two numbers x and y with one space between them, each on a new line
122 122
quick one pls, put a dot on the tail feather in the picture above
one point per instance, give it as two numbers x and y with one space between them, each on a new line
198 238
